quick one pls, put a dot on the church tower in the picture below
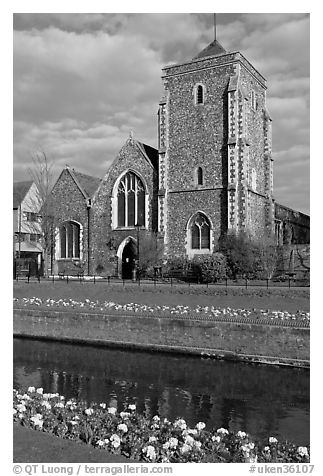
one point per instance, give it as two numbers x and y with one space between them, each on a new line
214 143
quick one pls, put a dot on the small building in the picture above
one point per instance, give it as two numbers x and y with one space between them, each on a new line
27 234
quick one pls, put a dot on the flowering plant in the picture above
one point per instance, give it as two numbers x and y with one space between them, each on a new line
141 438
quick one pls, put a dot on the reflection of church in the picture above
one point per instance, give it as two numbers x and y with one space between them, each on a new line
212 174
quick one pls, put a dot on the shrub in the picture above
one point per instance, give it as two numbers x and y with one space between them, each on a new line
241 254
210 268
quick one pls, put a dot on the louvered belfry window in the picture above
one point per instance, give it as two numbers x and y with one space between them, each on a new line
131 201
199 94
199 174
70 240
200 232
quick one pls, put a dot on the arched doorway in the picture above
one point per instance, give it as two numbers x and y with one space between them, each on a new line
129 255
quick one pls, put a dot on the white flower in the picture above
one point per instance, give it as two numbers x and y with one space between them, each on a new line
31 389
59 405
40 390
115 441
166 445
150 452
103 405
112 410
100 443
200 426
173 442
124 414
245 449
223 431
266 448
122 427
46 404
89 411
72 422
189 440
37 420
156 418
181 424
302 450
152 439
132 407
197 444
21 407
191 431
14 411
272 439
185 448
217 439
241 434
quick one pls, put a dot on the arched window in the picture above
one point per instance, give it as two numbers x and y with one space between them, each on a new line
69 234
199 176
199 94
131 201
200 232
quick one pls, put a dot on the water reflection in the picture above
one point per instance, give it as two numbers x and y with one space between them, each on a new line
264 401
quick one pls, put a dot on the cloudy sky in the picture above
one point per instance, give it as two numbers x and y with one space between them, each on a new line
83 81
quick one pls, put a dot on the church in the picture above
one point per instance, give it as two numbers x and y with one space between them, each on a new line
211 174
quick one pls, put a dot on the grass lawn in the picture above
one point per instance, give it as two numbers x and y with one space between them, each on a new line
32 446
283 299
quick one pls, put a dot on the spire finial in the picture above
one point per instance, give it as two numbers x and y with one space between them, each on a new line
131 134
214 20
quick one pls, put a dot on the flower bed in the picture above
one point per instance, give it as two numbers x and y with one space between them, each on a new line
201 311
141 438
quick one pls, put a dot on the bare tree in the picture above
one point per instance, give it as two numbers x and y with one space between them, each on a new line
42 175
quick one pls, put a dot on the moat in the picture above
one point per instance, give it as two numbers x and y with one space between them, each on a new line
261 400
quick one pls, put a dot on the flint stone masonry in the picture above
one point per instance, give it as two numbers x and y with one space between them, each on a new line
264 343
225 134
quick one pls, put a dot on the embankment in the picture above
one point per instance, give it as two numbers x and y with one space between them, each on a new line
270 342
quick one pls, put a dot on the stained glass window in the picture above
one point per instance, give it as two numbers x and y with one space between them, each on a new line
131 201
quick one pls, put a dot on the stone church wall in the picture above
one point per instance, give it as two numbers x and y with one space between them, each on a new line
105 239
70 204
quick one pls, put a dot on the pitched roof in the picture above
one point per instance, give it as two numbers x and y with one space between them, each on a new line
88 183
20 190
213 49
151 153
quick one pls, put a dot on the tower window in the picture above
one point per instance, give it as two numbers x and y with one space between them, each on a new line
199 94
199 176
253 100
200 232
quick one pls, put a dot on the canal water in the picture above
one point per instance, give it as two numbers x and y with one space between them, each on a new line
261 400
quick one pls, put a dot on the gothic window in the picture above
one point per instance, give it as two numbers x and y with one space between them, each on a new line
199 94
131 201
69 233
200 232
199 176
